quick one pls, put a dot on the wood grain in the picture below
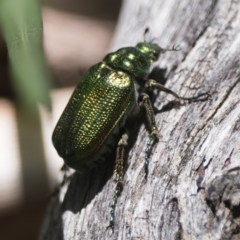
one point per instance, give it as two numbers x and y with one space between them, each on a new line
199 142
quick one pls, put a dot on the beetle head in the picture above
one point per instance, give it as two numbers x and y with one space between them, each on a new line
150 50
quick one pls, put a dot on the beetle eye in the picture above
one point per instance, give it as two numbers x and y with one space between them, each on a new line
156 54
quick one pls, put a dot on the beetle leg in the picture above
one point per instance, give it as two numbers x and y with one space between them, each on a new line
153 137
119 176
153 84
66 178
65 170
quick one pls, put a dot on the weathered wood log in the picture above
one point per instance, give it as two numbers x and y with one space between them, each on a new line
193 186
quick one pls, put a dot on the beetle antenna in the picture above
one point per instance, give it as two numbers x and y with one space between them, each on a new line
145 32
174 48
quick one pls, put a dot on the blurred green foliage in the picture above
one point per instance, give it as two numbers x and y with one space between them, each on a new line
22 28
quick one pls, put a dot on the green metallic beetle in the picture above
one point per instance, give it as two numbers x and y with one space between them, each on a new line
107 95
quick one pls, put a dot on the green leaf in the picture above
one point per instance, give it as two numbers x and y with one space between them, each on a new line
21 24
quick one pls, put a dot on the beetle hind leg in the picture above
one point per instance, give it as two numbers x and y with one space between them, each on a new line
65 179
153 137
119 174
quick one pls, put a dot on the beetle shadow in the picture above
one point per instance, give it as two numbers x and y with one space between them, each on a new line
80 192
84 187
53 220
159 75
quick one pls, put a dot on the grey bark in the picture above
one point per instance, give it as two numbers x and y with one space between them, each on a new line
193 186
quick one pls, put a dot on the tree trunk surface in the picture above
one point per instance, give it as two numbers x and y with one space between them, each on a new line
193 186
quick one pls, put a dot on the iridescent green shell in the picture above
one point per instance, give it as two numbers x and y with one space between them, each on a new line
101 102
98 103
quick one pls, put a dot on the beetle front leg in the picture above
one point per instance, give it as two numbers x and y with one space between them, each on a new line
119 174
153 137
153 84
